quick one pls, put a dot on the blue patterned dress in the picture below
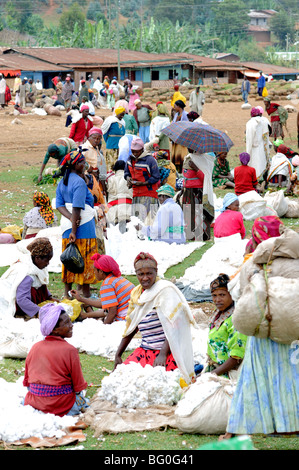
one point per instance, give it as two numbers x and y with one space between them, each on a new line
266 399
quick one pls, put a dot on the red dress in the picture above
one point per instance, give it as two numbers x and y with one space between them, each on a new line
53 362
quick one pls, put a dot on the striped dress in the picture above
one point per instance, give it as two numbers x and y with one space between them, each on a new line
115 292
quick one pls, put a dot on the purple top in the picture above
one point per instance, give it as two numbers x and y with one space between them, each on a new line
23 297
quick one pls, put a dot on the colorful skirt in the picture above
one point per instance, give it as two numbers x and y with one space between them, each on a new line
88 247
266 399
148 356
178 154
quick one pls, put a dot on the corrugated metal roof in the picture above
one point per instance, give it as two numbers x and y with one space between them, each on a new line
20 62
270 69
84 58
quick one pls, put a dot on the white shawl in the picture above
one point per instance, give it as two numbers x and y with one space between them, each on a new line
86 215
175 316
12 278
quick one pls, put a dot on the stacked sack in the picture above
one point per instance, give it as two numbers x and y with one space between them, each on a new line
268 289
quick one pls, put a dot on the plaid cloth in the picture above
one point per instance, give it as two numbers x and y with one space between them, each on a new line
49 390
199 137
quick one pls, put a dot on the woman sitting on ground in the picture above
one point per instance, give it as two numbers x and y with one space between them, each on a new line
24 285
41 216
226 347
160 312
114 292
53 372
222 177
230 221
245 176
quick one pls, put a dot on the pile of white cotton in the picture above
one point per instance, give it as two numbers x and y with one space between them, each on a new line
134 386
21 422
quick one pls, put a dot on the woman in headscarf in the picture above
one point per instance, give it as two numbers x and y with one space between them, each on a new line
177 96
53 373
94 156
263 228
115 291
158 123
76 204
24 286
119 197
280 170
113 129
267 393
222 177
41 216
81 125
226 346
293 187
245 176
230 221
160 312
179 152
133 96
168 225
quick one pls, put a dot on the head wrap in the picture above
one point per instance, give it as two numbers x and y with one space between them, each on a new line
261 110
278 142
137 101
84 107
40 247
228 199
192 115
267 99
220 282
244 158
48 316
162 110
53 148
159 102
254 112
264 228
295 160
285 150
180 103
106 264
95 130
69 161
119 110
145 258
43 201
166 190
137 144
176 87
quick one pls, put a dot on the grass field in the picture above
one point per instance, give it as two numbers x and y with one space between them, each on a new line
15 199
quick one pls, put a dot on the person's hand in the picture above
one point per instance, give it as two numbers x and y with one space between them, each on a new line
138 227
76 295
117 362
72 237
160 360
39 178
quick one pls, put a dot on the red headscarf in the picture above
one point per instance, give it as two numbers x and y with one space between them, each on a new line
264 228
145 256
106 264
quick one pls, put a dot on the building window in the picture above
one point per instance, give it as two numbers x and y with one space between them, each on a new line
155 75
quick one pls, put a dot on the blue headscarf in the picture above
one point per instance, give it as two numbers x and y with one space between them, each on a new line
228 199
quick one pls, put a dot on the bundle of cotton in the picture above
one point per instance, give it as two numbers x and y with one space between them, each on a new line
18 336
21 422
124 247
134 386
225 256
94 337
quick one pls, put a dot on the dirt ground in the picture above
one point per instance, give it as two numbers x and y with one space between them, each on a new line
26 143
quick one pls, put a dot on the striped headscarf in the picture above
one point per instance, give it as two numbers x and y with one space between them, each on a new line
42 200
68 163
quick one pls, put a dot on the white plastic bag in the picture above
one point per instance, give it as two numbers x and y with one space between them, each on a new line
252 205
277 201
